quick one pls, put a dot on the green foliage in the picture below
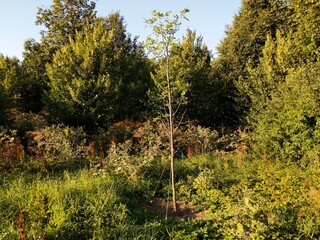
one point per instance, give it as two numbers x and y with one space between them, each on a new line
81 89
91 73
36 56
170 89
135 156
190 65
10 80
288 127
236 196
73 207
60 146
243 43
193 139
4 102
25 122
64 19
164 27
12 154
264 79
255 199
306 22
89 81
130 68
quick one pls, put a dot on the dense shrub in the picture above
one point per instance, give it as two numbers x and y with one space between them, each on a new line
25 122
289 126
60 145
12 154
257 199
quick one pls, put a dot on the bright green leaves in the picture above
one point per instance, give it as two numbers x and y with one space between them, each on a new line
98 77
306 20
11 75
64 19
164 28
191 66
288 126
169 89
269 55
243 45
79 77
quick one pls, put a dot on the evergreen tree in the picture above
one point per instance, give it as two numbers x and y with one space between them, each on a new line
191 64
35 78
131 68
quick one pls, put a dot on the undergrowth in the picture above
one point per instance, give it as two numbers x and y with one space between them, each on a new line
240 198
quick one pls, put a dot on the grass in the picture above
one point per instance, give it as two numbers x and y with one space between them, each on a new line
241 198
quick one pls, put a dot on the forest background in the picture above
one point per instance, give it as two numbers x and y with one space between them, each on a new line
85 134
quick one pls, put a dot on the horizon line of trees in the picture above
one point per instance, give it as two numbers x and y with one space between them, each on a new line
89 71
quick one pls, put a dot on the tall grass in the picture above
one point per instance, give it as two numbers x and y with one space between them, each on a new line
76 206
239 197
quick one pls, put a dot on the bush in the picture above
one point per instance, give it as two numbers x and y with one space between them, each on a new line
134 156
289 126
258 199
60 145
12 155
25 122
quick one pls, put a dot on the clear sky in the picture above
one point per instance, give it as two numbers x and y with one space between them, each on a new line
208 17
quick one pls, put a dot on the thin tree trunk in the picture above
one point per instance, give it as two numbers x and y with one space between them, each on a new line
171 119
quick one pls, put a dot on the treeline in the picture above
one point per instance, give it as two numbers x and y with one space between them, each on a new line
89 71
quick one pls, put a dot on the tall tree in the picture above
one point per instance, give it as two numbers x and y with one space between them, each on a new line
282 87
10 79
82 87
93 80
64 19
171 91
131 68
34 73
244 42
288 126
306 28
191 64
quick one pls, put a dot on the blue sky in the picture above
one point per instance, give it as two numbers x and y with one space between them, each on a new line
208 17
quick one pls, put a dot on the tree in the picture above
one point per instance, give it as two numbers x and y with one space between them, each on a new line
82 90
265 79
306 27
172 92
282 88
94 81
35 79
288 126
132 69
191 64
244 42
64 19
10 79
